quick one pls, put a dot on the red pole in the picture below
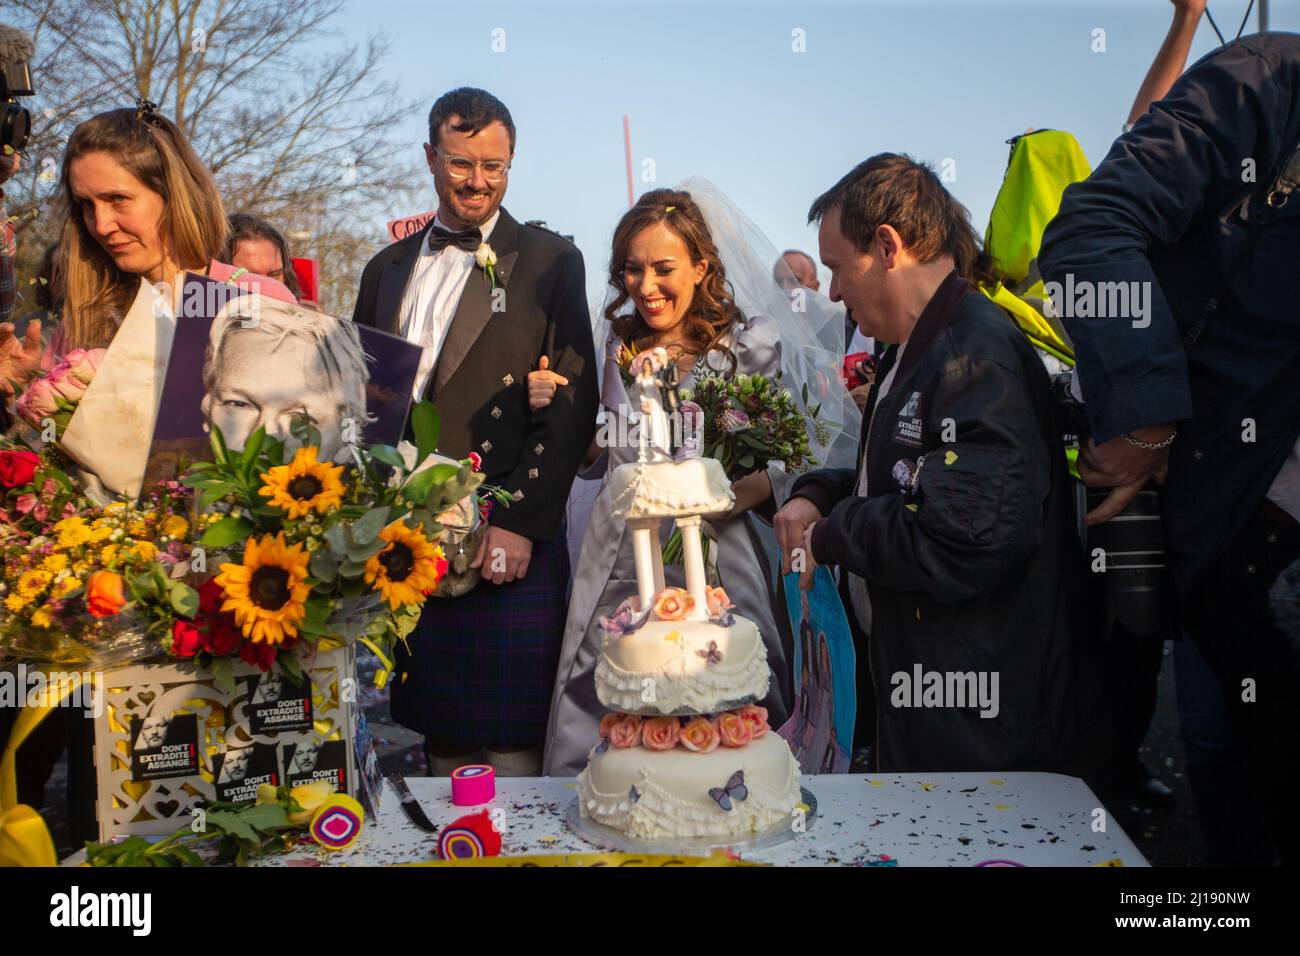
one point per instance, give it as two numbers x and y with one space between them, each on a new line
627 149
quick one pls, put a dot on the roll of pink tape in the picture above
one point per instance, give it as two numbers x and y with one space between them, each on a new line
473 784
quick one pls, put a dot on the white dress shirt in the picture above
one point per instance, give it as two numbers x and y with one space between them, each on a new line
432 294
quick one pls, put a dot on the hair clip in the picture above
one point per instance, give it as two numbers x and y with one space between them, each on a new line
669 208
145 110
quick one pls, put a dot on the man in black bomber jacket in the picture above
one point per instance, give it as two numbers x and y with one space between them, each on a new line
955 536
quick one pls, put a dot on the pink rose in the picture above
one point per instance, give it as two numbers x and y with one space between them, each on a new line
660 733
734 730
38 402
673 604
701 735
61 380
82 364
719 603
626 732
607 723
756 717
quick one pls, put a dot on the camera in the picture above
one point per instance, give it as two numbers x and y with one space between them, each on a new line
1136 583
16 50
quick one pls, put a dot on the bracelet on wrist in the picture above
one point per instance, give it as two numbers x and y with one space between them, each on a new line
1151 446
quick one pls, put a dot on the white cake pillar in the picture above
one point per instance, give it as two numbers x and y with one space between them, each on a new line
649 559
693 559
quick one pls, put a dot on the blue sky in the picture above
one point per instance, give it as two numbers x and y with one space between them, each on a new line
714 89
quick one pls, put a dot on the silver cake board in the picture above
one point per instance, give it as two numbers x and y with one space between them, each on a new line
610 839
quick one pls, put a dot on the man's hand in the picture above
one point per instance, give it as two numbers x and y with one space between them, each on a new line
19 358
1122 466
503 555
793 524
810 563
542 384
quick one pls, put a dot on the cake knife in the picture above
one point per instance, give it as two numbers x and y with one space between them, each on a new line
410 806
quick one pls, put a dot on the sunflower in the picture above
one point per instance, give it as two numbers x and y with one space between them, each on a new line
32 583
304 485
408 569
266 592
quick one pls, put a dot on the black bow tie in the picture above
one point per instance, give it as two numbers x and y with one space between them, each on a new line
468 239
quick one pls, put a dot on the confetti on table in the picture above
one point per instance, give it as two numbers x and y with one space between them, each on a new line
997 783
1000 806
876 783
927 787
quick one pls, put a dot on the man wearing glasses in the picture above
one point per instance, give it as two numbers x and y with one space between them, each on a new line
487 297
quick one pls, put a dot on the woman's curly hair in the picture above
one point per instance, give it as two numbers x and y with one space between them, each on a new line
712 311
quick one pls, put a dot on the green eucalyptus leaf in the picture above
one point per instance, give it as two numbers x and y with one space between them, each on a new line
427 428
184 599
388 455
322 566
226 532
366 528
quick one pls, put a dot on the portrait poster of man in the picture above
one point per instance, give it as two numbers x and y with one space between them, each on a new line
250 361
319 760
239 771
164 746
277 704
820 728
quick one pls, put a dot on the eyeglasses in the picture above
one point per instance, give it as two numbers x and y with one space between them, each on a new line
459 167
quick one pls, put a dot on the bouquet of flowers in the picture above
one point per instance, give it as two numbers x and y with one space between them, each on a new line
309 550
749 421
86 586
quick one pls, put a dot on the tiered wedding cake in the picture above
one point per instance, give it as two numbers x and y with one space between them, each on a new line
686 751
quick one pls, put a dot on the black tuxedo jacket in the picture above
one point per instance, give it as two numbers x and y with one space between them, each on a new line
480 382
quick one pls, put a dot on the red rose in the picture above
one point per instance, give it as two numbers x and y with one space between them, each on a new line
263 655
17 468
211 595
187 639
223 636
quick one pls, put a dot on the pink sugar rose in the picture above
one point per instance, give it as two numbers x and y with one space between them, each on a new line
607 723
660 733
756 717
719 603
626 732
701 735
734 730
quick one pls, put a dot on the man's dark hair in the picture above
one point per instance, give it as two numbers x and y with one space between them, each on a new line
245 225
476 109
896 190
799 252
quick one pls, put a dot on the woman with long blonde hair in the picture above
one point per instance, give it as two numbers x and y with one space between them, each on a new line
139 205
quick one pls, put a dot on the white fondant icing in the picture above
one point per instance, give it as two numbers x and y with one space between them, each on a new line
647 673
673 790
697 486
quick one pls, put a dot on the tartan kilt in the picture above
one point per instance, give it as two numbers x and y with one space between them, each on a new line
481 667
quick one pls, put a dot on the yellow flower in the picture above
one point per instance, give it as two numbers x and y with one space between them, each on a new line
72 532
304 485
55 563
146 550
16 602
109 553
138 529
175 526
80 567
309 796
408 568
266 592
43 616
66 587
32 583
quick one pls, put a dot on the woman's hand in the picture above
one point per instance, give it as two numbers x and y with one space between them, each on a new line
19 358
750 491
542 384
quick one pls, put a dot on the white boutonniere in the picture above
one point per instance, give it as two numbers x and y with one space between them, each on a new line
486 259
